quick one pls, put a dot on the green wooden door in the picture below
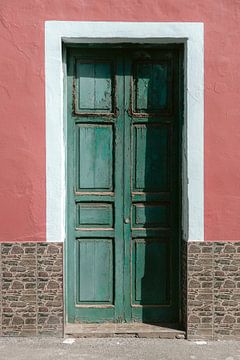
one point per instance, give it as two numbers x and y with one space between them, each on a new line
123 175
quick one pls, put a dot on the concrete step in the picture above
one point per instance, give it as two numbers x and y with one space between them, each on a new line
140 330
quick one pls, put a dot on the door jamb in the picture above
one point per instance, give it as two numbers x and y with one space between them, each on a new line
57 33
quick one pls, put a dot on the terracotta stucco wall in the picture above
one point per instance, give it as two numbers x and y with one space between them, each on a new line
22 106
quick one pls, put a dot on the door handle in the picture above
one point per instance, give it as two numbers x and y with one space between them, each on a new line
127 220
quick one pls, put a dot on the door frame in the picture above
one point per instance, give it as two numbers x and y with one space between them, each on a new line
191 35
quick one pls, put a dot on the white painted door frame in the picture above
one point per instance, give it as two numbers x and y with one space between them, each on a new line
192 36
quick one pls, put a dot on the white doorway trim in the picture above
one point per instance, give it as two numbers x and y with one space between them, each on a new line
192 36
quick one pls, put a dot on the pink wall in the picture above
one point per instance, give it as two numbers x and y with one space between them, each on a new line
22 108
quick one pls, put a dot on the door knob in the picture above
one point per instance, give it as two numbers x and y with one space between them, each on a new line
127 221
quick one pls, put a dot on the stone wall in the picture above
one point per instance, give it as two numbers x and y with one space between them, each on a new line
212 303
183 286
31 289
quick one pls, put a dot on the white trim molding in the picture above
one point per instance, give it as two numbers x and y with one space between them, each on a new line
192 36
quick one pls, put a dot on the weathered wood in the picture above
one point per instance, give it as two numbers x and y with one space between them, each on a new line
124 116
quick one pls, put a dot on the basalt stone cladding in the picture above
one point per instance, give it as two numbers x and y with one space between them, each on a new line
211 290
184 285
31 289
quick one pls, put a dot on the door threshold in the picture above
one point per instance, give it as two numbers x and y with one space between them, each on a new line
138 330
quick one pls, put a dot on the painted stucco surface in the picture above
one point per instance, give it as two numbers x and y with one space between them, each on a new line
22 107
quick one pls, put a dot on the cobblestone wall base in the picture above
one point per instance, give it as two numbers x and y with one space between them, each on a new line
211 290
31 289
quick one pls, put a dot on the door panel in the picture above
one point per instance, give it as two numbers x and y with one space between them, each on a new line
152 128
150 158
95 283
124 116
150 215
95 244
151 90
94 85
150 267
94 158
95 215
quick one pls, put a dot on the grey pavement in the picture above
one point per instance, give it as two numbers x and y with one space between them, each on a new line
116 348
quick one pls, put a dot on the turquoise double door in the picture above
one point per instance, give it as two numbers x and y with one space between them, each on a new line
123 183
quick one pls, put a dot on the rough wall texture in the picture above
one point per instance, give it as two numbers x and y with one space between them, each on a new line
213 290
31 289
184 280
22 108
